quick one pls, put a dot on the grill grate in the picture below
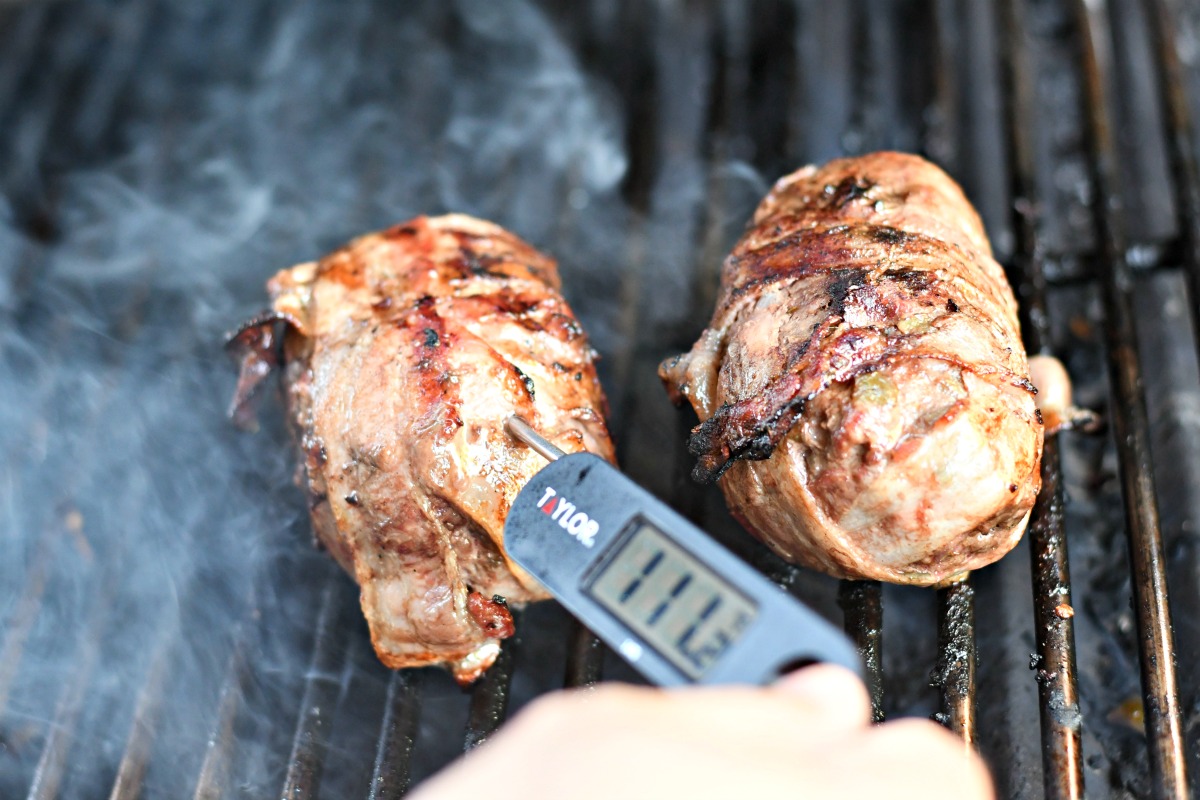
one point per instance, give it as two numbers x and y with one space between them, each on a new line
709 88
1163 718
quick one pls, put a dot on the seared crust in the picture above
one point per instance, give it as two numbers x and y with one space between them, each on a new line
405 352
861 387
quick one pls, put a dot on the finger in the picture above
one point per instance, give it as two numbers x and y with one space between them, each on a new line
756 717
923 760
830 693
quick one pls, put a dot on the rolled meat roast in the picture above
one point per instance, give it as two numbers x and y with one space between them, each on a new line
864 396
403 353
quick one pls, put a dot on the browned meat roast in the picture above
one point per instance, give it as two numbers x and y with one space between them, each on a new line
403 354
863 393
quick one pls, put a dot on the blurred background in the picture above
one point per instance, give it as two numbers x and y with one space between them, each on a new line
167 628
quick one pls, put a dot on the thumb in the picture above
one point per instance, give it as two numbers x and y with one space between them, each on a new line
829 692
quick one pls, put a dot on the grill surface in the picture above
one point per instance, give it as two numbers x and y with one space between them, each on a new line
167 633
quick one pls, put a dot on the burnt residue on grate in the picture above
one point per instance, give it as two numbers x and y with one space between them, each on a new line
165 630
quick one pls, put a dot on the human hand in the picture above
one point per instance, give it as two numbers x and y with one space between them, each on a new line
808 735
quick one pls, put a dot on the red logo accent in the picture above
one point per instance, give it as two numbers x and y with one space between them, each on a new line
549 507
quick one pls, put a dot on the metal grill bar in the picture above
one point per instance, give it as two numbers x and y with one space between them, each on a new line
68 50
94 117
23 42
862 603
131 772
398 734
1181 153
1181 141
585 657
489 696
1062 757
52 764
955 671
321 689
17 628
215 769
1164 729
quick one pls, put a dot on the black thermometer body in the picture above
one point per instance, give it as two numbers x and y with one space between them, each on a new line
676 605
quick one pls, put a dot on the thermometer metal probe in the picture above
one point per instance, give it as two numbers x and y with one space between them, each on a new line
676 605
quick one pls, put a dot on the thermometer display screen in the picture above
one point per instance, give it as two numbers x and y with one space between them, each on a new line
675 603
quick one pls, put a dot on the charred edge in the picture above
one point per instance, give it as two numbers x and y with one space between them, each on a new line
515 251
850 189
952 306
916 281
815 251
708 441
533 313
519 307
716 456
717 441
526 381
886 234
480 265
844 281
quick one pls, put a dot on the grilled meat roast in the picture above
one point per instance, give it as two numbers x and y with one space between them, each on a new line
403 353
863 393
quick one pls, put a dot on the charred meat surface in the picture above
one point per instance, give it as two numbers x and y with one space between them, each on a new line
403 353
864 398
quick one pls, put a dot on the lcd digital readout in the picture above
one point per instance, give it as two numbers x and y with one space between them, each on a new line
676 604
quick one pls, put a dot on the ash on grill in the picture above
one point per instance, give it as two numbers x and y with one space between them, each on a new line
165 630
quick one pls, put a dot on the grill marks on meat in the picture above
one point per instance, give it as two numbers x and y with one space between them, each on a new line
404 352
863 394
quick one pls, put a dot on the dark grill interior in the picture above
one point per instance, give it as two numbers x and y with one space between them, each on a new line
167 630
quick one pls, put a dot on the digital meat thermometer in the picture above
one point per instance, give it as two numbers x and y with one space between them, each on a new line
675 604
